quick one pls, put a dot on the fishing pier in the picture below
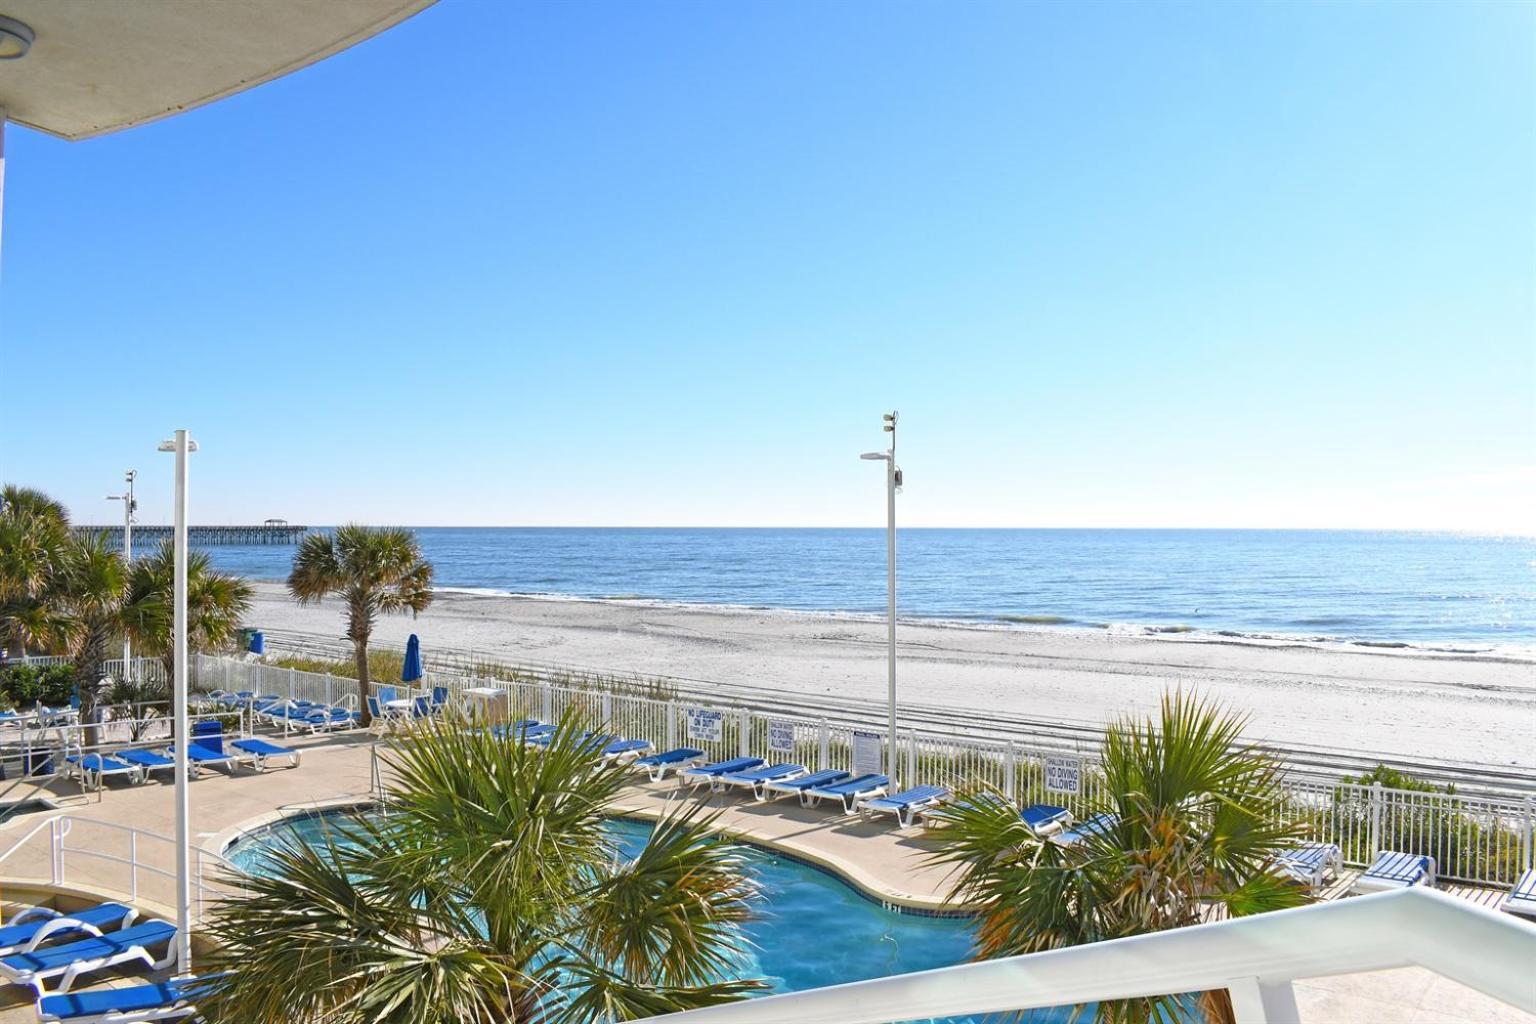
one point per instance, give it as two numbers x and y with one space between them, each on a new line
273 531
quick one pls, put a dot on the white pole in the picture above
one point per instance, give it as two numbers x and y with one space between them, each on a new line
890 601
2 167
182 445
128 561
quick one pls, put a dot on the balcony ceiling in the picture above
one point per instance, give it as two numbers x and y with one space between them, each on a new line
99 66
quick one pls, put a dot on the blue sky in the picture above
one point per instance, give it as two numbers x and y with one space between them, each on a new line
667 263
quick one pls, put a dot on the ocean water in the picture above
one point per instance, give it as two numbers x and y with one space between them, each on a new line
1457 591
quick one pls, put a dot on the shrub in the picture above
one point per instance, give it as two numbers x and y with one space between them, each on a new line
26 685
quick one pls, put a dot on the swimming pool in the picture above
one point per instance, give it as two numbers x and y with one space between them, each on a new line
810 929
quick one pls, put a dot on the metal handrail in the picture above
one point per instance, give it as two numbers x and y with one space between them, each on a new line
60 827
1254 958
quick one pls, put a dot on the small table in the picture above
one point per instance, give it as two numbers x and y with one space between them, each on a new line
488 703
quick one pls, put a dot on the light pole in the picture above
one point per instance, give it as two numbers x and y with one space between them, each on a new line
129 507
182 444
892 481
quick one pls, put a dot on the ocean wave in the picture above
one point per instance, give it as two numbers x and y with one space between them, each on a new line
1036 620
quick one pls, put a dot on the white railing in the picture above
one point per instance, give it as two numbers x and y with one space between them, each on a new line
117 859
42 660
1485 840
1255 958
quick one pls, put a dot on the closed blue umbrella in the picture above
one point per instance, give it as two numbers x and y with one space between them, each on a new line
410 672
258 643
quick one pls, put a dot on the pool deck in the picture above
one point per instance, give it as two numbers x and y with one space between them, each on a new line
888 864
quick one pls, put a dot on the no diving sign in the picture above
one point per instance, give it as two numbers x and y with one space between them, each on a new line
1064 774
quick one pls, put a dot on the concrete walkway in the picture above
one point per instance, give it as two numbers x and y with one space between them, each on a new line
887 863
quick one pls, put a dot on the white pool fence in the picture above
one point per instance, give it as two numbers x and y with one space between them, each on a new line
1483 840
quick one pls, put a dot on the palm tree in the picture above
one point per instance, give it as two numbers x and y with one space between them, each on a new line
375 571
216 604
491 892
1199 820
34 537
92 591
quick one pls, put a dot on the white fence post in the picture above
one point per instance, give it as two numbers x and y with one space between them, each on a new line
911 779
1526 837
607 708
746 732
547 703
1375 822
826 745
671 724
1010 769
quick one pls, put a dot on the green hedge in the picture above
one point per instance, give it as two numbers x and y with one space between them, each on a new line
22 686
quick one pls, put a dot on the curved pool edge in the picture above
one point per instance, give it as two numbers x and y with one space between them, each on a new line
220 842
851 875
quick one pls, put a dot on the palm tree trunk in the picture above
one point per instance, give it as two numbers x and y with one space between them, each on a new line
360 658
88 668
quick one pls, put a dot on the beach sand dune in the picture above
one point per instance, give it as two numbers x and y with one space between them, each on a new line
1474 708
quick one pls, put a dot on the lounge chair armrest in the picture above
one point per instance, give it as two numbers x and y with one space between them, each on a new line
22 917
59 924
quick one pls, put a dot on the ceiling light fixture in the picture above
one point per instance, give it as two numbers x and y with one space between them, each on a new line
15 38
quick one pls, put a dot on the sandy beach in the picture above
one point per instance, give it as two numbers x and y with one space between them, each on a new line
1476 708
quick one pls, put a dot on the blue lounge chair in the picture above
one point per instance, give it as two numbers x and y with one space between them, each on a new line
170 1000
1045 819
200 757
1098 825
328 718
439 699
847 793
260 752
676 759
523 731
756 778
796 786
618 750
545 735
1312 864
36 925
1522 898
147 760
93 768
72 960
1391 870
905 805
701 774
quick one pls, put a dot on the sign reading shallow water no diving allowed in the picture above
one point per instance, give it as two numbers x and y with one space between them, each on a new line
1063 774
781 736
705 725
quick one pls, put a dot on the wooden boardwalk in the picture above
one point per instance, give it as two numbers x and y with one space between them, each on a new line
203 536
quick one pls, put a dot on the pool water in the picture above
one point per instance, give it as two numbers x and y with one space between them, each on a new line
809 929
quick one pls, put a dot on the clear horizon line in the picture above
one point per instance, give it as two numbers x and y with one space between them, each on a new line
1471 531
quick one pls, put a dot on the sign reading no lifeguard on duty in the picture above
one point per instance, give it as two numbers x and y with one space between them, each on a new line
705 725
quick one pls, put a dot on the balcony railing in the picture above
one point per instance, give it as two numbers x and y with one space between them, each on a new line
1255 958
